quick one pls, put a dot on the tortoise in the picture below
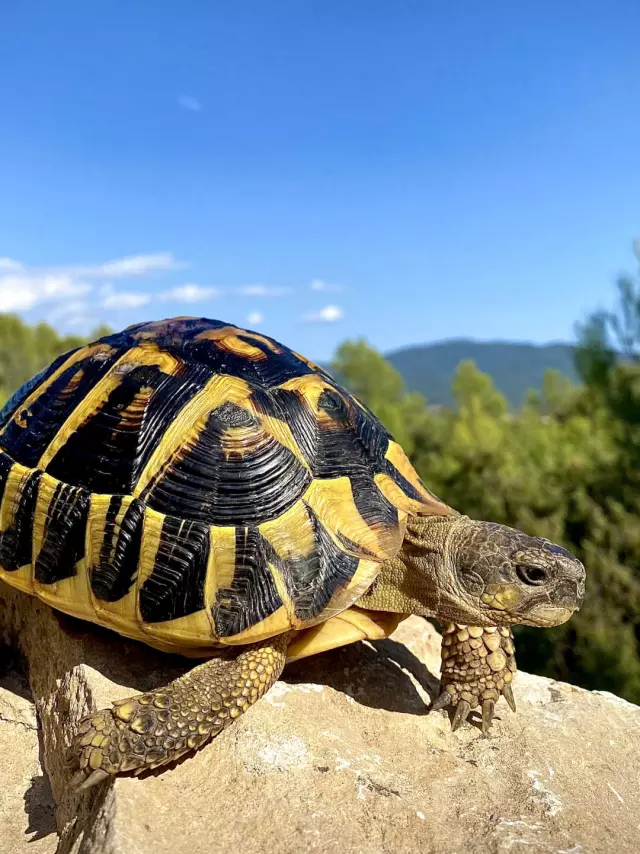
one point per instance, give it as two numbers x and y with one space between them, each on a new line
208 491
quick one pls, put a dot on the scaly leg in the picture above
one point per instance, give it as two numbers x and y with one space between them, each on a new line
478 665
156 728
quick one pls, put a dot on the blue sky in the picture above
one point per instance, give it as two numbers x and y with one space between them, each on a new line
405 171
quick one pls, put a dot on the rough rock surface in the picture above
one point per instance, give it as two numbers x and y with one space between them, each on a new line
26 803
339 757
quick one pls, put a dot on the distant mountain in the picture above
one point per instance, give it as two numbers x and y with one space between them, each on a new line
515 367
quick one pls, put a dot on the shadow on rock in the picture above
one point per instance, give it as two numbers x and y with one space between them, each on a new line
381 674
40 808
384 674
13 673
121 660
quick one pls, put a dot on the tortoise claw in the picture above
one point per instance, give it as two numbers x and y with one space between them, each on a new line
80 781
462 712
507 693
442 702
488 707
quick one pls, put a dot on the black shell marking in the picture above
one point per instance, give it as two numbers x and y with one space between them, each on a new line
112 578
64 537
16 542
313 579
108 452
230 476
25 439
175 588
353 444
180 338
253 595
31 385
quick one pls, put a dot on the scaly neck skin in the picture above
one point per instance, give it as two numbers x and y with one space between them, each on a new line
414 580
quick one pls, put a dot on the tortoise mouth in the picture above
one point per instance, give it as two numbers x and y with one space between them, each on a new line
547 615
556 606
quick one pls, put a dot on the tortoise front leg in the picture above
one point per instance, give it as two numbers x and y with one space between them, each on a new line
156 728
478 665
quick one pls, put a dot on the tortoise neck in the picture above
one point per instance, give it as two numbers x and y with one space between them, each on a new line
411 582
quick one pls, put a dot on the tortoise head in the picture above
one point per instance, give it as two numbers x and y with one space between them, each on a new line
501 576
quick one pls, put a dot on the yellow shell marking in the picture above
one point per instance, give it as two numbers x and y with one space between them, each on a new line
94 350
280 431
21 578
310 386
400 461
350 626
360 582
332 501
183 433
147 354
228 338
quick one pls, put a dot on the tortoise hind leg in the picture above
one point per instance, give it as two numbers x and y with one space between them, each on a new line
156 728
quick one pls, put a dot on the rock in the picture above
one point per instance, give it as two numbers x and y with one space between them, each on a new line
26 804
339 757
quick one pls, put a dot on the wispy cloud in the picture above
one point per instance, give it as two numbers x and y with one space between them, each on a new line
23 287
16 294
8 265
321 285
262 291
74 314
22 291
190 293
188 102
328 314
78 295
110 298
132 266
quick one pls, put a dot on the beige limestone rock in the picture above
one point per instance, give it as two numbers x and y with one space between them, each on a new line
338 757
26 806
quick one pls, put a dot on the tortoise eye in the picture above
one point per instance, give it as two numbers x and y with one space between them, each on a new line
529 574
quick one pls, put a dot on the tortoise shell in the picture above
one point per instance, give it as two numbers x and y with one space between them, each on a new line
190 483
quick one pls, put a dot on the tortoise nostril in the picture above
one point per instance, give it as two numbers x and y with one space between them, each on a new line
530 574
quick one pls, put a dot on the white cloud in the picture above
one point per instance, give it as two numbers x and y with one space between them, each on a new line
17 293
262 291
321 285
23 287
188 102
110 298
255 318
75 314
636 249
328 314
133 265
190 293
20 292
83 321
8 265
58 286
63 312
